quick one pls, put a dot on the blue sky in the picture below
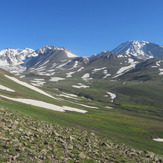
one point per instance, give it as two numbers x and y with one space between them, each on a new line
83 26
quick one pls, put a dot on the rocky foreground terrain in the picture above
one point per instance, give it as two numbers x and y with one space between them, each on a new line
25 139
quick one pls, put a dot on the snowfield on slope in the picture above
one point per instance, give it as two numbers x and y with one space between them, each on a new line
161 71
123 70
55 79
80 85
69 74
44 104
112 96
80 69
98 69
70 54
38 82
6 89
71 96
29 86
86 77
158 139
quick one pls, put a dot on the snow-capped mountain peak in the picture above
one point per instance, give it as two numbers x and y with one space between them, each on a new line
70 54
140 49
137 49
11 56
47 49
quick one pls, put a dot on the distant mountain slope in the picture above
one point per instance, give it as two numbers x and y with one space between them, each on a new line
151 69
102 66
12 57
15 56
17 60
141 49
48 55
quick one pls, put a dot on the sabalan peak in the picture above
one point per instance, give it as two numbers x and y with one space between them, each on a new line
140 49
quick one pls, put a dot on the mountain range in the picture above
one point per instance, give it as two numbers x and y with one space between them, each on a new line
116 94
61 61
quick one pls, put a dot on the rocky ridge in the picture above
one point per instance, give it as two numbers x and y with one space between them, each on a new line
23 138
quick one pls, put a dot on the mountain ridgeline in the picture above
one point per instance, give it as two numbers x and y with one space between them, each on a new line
127 56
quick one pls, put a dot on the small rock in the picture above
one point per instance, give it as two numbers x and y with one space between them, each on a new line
71 138
14 126
151 154
2 124
70 147
82 155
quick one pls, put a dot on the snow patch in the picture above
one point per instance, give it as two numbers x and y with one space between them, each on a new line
130 60
112 96
44 105
38 82
76 64
71 96
69 74
44 63
154 66
98 69
15 69
105 71
158 139
108 107
69 54
55 79
158 63
80 85
54 64
39 79
28 86
22 76
50 71
80 69
40 68
125 69
107 75
6 89
120 56
37 63
61 65
86 77
161 71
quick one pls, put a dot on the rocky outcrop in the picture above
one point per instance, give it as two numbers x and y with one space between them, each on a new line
25 139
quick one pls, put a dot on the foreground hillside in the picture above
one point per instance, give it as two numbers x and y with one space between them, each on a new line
24 138
129 123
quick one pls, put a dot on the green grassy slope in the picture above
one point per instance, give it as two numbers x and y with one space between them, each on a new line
128 122
32 140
